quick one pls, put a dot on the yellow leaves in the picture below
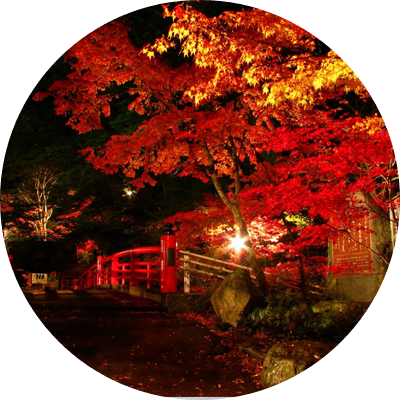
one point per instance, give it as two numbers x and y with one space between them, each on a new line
246 48
267 56
318 83
148 52
251 77
248 58
167 13
179 31
334 72
374 62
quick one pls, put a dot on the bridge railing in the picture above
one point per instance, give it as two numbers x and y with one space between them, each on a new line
152 264
123 268
199 264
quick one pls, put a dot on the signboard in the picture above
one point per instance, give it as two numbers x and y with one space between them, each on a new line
346 250
39 278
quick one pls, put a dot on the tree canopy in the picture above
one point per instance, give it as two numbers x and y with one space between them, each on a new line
276 121
80 209
265 107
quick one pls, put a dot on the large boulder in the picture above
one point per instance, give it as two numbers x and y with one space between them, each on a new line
236 298
303 368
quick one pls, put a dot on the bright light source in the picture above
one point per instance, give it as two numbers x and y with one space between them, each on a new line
129 192
237 243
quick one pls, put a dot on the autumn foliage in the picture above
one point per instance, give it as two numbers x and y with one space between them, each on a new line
283 128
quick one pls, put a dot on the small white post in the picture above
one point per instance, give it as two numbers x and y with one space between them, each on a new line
186 274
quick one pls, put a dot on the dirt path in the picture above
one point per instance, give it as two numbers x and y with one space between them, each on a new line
152 351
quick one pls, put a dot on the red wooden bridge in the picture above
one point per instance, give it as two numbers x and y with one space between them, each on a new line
139 270
151 268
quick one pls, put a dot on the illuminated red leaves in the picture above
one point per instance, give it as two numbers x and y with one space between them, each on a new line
102 60
178 12
272 147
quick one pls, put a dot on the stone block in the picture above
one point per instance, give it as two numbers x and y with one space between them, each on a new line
360 288
303 368
235 298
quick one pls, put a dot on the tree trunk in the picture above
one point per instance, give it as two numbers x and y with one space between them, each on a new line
251 257
233 207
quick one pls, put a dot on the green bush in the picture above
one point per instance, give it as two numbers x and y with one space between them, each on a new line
299 320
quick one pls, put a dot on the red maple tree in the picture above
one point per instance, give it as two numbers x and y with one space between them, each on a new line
259 109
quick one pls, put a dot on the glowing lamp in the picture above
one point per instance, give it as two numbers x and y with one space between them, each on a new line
237 243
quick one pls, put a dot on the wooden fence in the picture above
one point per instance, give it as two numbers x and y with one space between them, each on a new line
199 264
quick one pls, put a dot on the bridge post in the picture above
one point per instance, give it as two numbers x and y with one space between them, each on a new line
99 269
3 259
168 260
115 271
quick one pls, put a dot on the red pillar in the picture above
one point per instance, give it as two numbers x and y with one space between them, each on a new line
168 260
115 271
2 261
99 270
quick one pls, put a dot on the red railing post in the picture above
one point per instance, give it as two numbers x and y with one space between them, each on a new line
168 260
99 269
134 260
3 259
115 271
148 275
